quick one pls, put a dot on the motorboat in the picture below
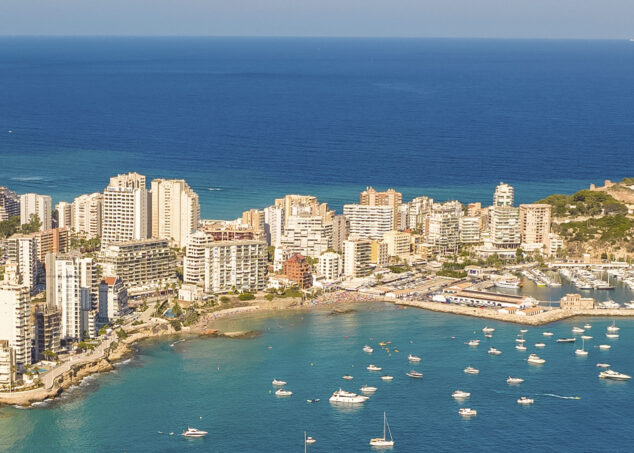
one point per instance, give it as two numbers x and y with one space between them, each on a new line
494 351
566 340
368 389
278 382
508 281
415 374
383 441
577 330
413 358
547 334
341 396
523 330
535 359
473 342
540 345
193 432
459 394
520 347
310 440
604 347
520 340
368 349
586 337
471 370
347 377
525 400
315 400
373 368
387 378
603 365
613 327
614 375
283 392
612 335
467 412
587 326
488 335
488 329
514 380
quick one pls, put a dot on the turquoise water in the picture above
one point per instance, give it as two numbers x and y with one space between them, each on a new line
224 386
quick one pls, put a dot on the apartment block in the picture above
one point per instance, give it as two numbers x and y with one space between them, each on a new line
330 266
307 234
398 243
64 214
47 331
175 210
39 205
113 299
379 253
369 222
9 204
356 257
87 215
391 198
15 328
235 265
535 225
297 269
125 209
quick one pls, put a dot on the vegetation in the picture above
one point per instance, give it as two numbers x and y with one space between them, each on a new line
584 203
176 324
399 269
191 318
121 334
225 299
177 311
85 245
246 296
12 226
611 228
138 322
102 331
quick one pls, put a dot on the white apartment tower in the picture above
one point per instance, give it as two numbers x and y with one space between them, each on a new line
22 250
39 205
274 225
356 257
504 221
175 210
113 299
194 260
14 321
235 265
87 214
330 266
307 234
535 225
470 230
125 209
64 214
369 222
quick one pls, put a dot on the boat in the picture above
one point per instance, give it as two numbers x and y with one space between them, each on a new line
577 330
603 365
459 394
341 396
523 330
520 340
547 334
368 389
566 340
612 335
368 349
494 351
488 329
613 327
372 367
520 347
315 400
347 377
387 378
608 305
586 337
488 335
540 345
508 281
471 370
382 441
604 347
283 392
614 375
278 382
473 342
467 412
310 440
514 380
587 326
193 432
535 359
413 358
525 400
414 374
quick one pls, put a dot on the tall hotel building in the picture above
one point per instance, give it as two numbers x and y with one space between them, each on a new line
356 257
535 225
369 222
235 265
86 214
307 234
14 320
392 198
175 210
39 205
125 209
22 251
9 204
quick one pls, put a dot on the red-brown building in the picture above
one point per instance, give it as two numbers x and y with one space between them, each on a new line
298 270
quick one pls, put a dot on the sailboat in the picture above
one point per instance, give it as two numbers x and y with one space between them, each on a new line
308 441
582 351
382 441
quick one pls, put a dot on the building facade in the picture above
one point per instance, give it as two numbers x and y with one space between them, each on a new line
175 210
9 204
369 222
15 304
125 210
356 257
235 265
64 214
391 198
39 205
535 225
297 269
307 234
330 266
113 299
87 214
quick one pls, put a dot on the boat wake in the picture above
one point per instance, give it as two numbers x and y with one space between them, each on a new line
562 397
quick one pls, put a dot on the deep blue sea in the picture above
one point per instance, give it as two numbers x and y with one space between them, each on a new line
254 119
224 386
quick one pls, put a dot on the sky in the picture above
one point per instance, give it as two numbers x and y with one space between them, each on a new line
585 19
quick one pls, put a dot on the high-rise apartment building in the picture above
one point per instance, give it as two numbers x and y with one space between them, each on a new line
22 250
378 253
293 205
39 205
64 214
307 234
390 197
340 232
255 219
274 225
125 209
470 229
47 334
503 195
297 269
330 266
9 204
194 260
8 374
444 227
175 210
369 222
398 243
535 225
87 214
356 257
56 240
14 321
235 265
113 299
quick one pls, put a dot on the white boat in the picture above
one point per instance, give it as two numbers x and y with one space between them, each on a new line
604 347
368 389
372 367
278 382
603 365
586 337
547 334
413 358
520 340
520 347
577 330
471 370
613 327
415 374
488 329
368 349
508 281
488 335
193 432
614 375
459 394
315 400
310 440
582 352
283 392
612 335
514 380
587 326
474 342
540 345
383 441
494 351
467 412
566 340
535 359
523 330
387 378
341 396
525 400
347 377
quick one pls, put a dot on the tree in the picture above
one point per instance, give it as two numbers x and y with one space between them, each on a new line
9 227
176 309
32 226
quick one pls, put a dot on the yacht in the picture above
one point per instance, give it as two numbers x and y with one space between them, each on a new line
508 281
382 441
613 327
514 380
586 337
387 378
547 334
368 349
310 440
341 396
368 389
347 377
540 345
488 329
520 347
193 432
413 358
535 359
459 394
603 365
524 400
566 340
587 326
494 351
467 412
520 340
474 342
614 375
604 347
283 392
608 305
373 368
415 374
629 305
523 330
612 335
471 370
577 330
278 382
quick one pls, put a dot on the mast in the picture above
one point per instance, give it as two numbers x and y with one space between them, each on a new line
384 422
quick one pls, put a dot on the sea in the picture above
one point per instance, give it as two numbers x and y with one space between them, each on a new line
246 120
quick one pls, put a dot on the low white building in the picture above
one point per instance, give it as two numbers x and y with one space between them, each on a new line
330 266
